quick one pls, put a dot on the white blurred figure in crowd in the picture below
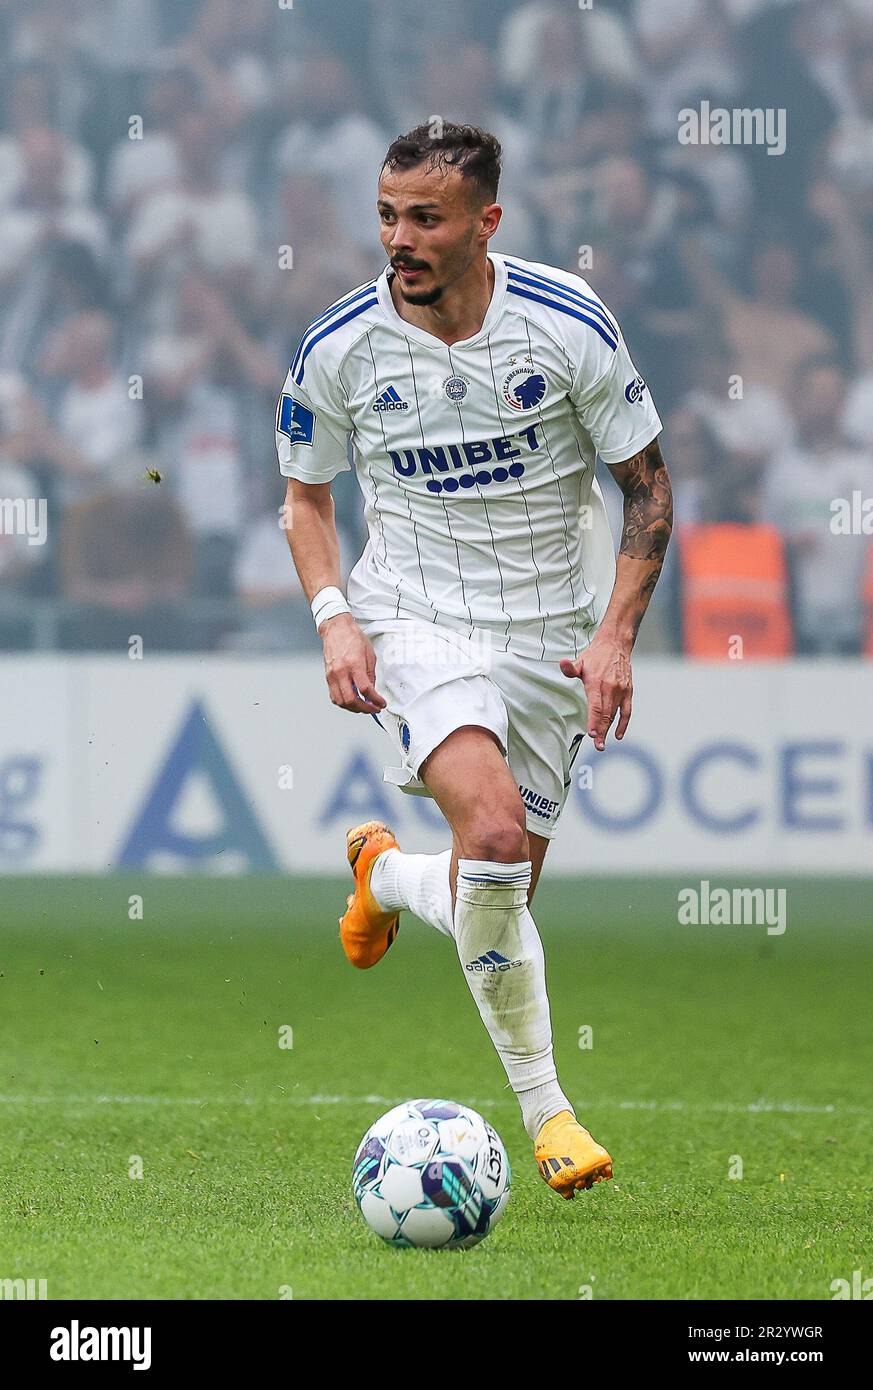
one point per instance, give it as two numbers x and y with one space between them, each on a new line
227 48
59 36
119 35
821 37
802 487
850 149
43 208
22 546
276 613
632 211
195 218
306 219
331 137
600 44
196 372
19 551
229 57
551 108
403 36
687 48
857 420
30 108
736 411
95 416
143 166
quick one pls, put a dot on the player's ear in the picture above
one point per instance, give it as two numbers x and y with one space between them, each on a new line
491 216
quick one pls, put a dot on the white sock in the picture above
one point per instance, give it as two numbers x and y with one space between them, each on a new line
502 958
419 882
540 1103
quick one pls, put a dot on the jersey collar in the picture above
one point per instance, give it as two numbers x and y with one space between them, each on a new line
419 335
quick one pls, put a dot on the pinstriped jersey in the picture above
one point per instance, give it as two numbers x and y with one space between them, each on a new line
475 460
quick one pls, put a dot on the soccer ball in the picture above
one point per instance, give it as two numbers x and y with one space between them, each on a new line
431 1173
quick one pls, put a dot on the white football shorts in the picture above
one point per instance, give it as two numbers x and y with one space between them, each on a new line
435 681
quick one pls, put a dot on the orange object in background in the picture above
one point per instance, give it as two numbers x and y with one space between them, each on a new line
734 585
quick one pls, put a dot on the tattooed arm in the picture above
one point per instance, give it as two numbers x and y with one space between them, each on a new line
648 521
605 666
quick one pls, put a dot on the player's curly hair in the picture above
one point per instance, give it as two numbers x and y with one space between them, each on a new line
445 145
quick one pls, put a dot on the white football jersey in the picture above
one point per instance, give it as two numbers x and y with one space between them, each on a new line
476 461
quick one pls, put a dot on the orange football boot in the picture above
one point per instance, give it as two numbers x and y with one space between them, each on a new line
568 1158
365 930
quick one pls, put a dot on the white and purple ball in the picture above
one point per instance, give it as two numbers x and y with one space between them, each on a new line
431 1173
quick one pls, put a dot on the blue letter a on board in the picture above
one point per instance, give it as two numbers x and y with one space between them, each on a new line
238 845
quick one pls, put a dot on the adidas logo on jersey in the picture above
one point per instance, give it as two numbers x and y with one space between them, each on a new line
491 962
390 400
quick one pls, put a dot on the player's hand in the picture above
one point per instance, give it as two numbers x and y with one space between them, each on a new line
350 666
605 670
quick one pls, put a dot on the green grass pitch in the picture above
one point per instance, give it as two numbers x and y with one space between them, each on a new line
159 1039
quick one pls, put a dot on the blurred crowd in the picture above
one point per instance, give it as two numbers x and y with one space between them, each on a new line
185 184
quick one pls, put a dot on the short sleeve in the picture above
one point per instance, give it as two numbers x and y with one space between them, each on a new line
614 403
313 427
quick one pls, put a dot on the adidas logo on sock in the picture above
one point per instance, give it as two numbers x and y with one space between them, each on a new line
390 400
491 962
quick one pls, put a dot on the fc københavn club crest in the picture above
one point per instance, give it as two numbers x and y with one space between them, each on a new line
523 388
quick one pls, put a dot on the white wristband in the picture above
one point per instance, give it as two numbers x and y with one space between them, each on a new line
328 602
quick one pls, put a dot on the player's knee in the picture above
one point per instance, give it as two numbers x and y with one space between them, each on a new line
502 839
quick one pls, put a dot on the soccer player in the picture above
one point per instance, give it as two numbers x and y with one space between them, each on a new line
487 626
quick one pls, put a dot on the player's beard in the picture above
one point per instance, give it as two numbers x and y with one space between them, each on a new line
452 269
422 297
423 300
